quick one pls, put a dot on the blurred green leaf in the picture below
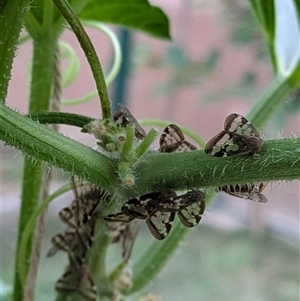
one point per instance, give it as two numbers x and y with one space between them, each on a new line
136 14
265 13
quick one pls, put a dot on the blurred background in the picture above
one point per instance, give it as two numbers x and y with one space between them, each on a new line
216 64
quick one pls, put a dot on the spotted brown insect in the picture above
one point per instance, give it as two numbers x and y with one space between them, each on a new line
75 242
87 198
173 140
144 207
124 117
77 280
159 209
239 137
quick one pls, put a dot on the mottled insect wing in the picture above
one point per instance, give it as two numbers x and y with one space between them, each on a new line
227 144
84 189
177 203
160 223
119 217
87 198
172 134
139 207
77 281
239 137
75 242
144 205
250 191
80 211
172 140
69 215
62 242
67 283
127 118
191 215
236 123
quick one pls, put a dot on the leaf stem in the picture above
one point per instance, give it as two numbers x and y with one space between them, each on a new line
147 141
277 160
61 118
126 154
40 142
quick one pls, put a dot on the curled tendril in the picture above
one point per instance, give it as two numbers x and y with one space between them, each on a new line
115 66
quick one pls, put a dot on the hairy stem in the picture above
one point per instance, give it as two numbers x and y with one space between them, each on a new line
61 118
11 21
40 95
278 160
40 142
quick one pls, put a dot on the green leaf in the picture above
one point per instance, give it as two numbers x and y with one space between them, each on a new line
264 11
136 14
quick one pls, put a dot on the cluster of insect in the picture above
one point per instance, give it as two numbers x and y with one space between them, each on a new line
158 209
239 137
80 217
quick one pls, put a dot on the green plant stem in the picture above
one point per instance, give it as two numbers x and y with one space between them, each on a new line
277 160
90 53
126 154
11 21
146 143
40 142
40 95
98 257
61 118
